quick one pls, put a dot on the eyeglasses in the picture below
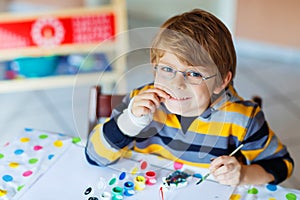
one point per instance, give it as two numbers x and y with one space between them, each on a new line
190 76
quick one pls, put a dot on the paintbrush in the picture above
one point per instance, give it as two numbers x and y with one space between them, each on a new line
232 153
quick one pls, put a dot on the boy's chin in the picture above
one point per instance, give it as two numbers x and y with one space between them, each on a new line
181 112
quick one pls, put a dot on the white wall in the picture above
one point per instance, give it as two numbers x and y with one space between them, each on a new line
160 10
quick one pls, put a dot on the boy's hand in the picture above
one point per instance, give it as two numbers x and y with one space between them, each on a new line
148 101
226 170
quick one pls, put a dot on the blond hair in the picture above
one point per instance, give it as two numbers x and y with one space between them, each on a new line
196 38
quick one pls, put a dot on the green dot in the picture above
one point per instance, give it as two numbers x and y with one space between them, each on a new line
112 181
33 160
253 191
20 187
44 136
1 155
76 140
290 196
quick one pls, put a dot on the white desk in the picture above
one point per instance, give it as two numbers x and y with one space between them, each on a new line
68 175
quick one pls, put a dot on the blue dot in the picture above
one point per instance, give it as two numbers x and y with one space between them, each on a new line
61 134
50 156
7 178
19 151
28 129
122 176
271 187
197 175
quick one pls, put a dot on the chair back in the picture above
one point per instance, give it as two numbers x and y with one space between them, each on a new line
101 105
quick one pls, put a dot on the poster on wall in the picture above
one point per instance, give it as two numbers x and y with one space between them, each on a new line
50 31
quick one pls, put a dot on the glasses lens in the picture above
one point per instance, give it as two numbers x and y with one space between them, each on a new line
193 77
165 72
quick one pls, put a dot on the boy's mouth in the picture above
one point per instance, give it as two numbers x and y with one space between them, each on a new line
179 99
173 98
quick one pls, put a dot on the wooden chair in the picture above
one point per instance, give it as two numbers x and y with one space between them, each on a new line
101 105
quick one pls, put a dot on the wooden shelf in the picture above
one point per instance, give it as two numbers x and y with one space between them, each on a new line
50 82
101 25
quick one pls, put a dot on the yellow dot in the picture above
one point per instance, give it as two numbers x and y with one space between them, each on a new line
24 139
272 198
13 165
2 192
235 197
58 143
134 170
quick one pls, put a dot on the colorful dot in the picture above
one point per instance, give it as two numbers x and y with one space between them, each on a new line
2 192
122 176
235 197
291 196
27 173
7 178
1 156
112 181
144 165
61 134
177 165
50 156
134 170
58 143
43 136
20 187
76 140
19 151
197 176
252 191
37 147
33 160
25 139
88 191
271 187
6 144
272 198
28 129
14 165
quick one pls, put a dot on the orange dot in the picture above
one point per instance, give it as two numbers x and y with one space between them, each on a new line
235 197
24 139
13 165
134 170
58 143
2 192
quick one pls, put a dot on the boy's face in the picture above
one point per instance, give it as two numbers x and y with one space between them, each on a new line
186 99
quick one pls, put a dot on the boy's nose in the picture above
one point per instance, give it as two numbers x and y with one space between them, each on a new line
179 81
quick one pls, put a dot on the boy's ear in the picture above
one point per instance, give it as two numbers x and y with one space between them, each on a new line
224 83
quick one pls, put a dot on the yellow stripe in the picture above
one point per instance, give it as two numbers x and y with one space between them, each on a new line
101 149
239 108
137 91
218 129
289 167
168 119
159 150
252 154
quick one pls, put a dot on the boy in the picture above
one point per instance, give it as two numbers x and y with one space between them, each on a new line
191 113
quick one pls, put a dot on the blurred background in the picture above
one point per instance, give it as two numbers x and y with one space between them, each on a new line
266 35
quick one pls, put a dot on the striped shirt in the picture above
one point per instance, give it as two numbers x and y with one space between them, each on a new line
227 123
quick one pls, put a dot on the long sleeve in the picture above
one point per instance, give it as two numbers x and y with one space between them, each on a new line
263 147
106 143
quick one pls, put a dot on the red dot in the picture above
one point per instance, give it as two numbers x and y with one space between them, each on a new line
27 173
37 147
144 165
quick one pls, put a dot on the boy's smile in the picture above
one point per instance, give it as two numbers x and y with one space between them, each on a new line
185 99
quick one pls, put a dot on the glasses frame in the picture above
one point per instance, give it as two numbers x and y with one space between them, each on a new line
203 78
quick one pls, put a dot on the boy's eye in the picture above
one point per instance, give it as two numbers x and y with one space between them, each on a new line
166 69
193 74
